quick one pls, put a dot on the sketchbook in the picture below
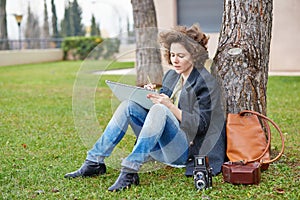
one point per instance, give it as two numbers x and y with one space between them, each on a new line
130 92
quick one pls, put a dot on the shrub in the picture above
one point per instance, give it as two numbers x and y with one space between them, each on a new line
111 46
79 48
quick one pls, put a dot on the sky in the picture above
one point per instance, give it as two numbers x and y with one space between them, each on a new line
110 14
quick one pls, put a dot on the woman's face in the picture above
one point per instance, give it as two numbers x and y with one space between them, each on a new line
181 59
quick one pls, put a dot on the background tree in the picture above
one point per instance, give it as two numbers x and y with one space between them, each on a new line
130 33
46 33
95 28
76 12
66 24
242 57
55 33
71 24
32 29
3 26
148 57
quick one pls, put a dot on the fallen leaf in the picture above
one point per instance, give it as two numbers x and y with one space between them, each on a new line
54 190
279 190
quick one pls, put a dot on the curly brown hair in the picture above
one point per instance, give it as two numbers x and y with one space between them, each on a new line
192 38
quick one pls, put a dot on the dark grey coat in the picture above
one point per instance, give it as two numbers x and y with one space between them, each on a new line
202 116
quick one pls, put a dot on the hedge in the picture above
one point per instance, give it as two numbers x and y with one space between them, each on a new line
94 47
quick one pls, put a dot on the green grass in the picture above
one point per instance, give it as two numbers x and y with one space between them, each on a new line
39 141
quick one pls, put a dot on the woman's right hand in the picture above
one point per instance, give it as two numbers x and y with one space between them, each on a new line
150 86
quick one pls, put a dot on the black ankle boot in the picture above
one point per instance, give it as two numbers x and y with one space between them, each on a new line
89 168
124 181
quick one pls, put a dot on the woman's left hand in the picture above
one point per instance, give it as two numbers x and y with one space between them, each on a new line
165 100
160 98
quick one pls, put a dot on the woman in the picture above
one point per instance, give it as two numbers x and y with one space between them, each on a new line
185 120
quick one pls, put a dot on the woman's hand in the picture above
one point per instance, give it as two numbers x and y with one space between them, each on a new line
161 98
150 86
165 100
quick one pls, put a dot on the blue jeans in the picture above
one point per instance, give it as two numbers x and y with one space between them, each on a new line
158 135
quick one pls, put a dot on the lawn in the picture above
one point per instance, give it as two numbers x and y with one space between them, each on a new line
41 141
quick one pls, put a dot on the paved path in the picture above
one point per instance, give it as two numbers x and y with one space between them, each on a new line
117 72
132 71
275 73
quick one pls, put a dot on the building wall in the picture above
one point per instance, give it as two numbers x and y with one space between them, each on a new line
285 43
165 13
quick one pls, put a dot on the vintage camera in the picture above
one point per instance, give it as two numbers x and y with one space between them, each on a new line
202 173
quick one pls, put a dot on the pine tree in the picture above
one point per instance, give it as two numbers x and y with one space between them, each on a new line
71 25
32 29
95 31
98 29
66 28
70 29
55 33
76 14
46 23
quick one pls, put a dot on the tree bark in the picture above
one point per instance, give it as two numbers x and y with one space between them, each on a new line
242 57
3 26
148 57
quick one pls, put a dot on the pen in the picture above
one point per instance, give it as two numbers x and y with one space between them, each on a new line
149 80
150 86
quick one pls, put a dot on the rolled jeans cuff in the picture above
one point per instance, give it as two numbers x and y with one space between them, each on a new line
97 159
131 165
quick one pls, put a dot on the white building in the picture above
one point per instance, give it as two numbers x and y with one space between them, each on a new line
285 43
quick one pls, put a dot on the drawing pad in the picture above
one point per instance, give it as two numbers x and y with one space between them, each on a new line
130 92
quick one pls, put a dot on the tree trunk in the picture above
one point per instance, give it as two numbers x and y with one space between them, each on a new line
3 26
242 58
148 57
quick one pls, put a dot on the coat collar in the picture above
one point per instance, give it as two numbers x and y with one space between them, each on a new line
192 79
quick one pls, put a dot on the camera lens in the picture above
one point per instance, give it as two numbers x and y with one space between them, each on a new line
200 175
200 184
